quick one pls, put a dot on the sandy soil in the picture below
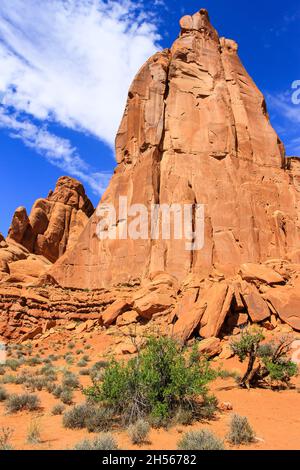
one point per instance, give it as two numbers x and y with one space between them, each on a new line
275 416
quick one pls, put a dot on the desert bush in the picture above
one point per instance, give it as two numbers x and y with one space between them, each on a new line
34 361
99 419
85 371
58 409
200 440
104 441
71 346
157 382
5 436
240 431
77 416
268 364
67 396
82 363
14 364
183 417
3 394
139 431
70 380
57 391
34 433
20 402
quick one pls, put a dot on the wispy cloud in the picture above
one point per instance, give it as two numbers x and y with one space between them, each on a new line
56 150
70 62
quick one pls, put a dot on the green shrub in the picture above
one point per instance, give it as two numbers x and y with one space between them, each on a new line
3 394
82 363
13 364
70 380
156 382
104 441
200 440
66 396
139 431
58 409
268 364
24 401
240 431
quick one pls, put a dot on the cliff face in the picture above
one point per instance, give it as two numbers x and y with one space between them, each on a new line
195 130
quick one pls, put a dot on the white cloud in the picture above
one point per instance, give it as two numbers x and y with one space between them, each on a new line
56 150
72 61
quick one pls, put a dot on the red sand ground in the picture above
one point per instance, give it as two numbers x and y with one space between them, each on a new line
275 416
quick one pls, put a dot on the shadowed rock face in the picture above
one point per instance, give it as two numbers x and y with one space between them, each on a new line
54 223
195 130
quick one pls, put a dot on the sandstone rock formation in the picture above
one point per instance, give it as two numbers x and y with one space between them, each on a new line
34 242
195 130
54 223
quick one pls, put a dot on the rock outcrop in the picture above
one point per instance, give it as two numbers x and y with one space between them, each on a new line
195 130
36 241
54 223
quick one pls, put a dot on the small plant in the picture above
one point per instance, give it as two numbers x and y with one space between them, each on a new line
58 409
57 391
104 441
98 419
200 440
25 401
5 436
268 364
70 380
77 416
82 363
139 431
3 394
240 431
84 372
34 433
66 396
71 346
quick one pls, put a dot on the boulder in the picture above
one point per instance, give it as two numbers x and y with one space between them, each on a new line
286 302
210 347
152 303
218 300
188 323
258 309
258 272
112 312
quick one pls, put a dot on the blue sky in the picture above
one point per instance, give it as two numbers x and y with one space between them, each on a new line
66 65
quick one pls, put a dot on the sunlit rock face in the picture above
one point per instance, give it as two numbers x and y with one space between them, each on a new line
195 131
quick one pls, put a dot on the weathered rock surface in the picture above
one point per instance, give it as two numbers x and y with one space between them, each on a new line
54 223
194 115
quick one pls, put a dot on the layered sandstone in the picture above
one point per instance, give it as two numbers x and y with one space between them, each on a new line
195 130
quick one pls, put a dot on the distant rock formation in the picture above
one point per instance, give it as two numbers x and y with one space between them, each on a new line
36 241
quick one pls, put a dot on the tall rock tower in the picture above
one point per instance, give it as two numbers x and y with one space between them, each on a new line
195 130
